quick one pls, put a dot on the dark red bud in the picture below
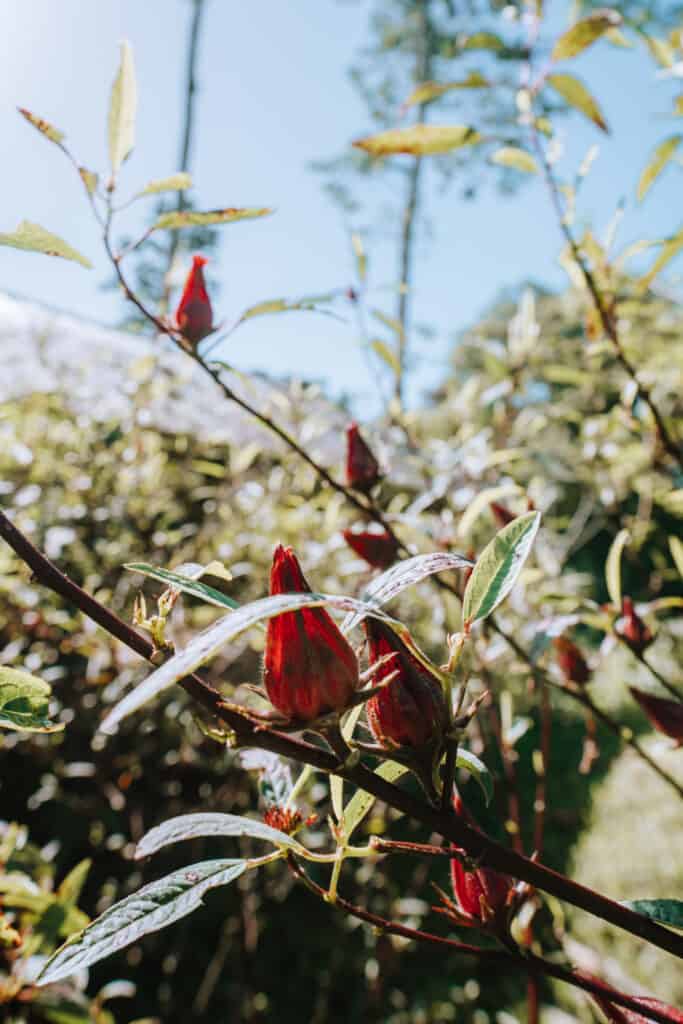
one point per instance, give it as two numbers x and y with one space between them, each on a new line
631 628
666 715
362 468
482 896
310 669
502 515
194 316
410 710
352 294
571 661
621 1015
378 549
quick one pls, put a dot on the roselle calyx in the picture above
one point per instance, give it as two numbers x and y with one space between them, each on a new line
411 710
631 628
310 669
571 661
666 715
362 468
194 315
378 548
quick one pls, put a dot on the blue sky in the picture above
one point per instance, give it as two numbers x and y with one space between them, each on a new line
274 97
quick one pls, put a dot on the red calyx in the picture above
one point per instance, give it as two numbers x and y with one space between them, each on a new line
571 661
666 715
362 468
631 628
482 896
378 549
309 668
411 710
194 316
502 515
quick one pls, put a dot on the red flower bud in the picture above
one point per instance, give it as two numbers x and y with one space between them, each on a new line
378 549
194 316
411 710
502 515
620 1015
310 669
571 661
666 715
362 468
482 896
631 628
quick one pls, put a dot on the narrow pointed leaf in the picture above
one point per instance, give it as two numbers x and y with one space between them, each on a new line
209 642
174 183
24 702
668 912
44 127
676 548
585 32
428 91
497 568
574 92
470 763
513 156
122 110
670 248
89 179
661 157
184 584
178 219
190 826
361 802
307 302
34 238
387 354
153 907
613 566
420 140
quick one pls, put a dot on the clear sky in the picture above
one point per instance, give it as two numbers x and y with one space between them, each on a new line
274 97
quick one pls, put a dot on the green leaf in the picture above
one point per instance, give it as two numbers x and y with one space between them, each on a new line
428 91
387 354
33 238
676 548
497 568
89 179
419 140
209 642
613 566
304 304
585 32
122 110
69 891
483 41
153 907
178 219
361 802
513 156
390 584
190 826
175 183
44 127
668 912
478 770
670 248
24 702
185 584
663 153
574 92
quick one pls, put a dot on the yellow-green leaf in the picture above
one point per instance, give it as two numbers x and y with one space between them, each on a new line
361 802
89 179
678 105
613 567
574 92
122 110
663 153
676 547
420 140
670 248
174 183
585 32
428 91
483 41
33 238
44 127
359 253
387 354
191 218
24 701
513 156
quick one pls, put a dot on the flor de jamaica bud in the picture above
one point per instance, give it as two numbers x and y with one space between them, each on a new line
631 628
666 715
377 547
362 468
309 668
571 661
194 316
411 710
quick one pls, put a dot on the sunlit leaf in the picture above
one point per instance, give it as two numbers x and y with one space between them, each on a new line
420 140
175 183
34 238
676 548
662 155
585 32
497 568
387 354
122 110
153 907
669 249
613 566
361 802
482 41
574 92
44 127
184 584
664 911
477 769
306 303
513 156
89 179
190 826
24 702
428 91
178 219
